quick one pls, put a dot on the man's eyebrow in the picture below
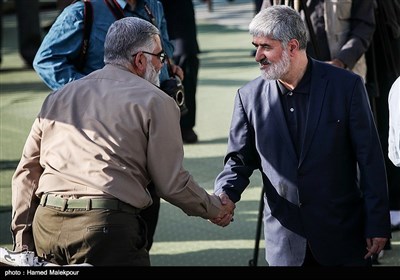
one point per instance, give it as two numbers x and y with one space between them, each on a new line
262 45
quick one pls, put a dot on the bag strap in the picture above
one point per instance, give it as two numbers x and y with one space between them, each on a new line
118 13
115 8
87 27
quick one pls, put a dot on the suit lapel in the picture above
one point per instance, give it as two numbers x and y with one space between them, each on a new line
317 94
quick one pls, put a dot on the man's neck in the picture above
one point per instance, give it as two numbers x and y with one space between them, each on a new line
296 73
132 3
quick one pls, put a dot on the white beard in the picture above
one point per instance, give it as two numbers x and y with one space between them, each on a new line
276 70
152 75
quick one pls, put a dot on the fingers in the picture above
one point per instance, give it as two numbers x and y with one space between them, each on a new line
223 221
375 246
225 201
178 71
224 198
337 62
225 216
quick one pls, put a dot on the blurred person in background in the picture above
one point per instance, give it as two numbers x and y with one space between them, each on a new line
394 127
28 26
383 68
182 31
339 31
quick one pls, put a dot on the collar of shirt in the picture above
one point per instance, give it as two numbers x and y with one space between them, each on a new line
122 3
304 85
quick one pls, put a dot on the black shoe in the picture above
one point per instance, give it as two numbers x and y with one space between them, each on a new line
388 245
375 260
395 227
189 136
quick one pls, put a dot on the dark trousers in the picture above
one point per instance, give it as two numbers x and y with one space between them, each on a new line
29 32
150 215
190 66
310 261
99 237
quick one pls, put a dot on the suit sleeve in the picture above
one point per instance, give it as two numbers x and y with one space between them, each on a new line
362 27
241 159
373 182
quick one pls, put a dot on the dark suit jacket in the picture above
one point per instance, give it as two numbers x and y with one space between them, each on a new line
334 194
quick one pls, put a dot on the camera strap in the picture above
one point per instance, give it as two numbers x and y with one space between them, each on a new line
115 8
118 13
87 27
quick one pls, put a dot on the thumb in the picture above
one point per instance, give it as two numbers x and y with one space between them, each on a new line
224 198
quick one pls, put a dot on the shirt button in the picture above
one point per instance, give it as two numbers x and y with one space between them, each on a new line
292 110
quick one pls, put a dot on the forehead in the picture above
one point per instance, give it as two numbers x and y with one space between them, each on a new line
157 41
265 41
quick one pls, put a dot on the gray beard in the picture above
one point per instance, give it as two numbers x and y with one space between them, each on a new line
152 75
276 70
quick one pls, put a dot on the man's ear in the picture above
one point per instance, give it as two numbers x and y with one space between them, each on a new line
293 45
140 62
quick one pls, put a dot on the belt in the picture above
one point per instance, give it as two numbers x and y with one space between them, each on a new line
87 204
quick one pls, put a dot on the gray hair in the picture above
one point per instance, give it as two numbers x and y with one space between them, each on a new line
279 22
126 37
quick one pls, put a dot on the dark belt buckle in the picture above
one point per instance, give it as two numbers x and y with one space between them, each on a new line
64 205
88 204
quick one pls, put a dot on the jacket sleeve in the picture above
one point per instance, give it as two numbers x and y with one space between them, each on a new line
165 163
60 46
241 159
362 27
373 182
25 182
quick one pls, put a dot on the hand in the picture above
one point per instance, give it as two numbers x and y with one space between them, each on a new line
225 216
375 246
336 62
176 70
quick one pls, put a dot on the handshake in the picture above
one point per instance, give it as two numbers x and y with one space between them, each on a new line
225 216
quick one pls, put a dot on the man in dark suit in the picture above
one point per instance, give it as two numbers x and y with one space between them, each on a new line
308 128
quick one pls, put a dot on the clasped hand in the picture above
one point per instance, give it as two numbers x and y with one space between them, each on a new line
225 217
